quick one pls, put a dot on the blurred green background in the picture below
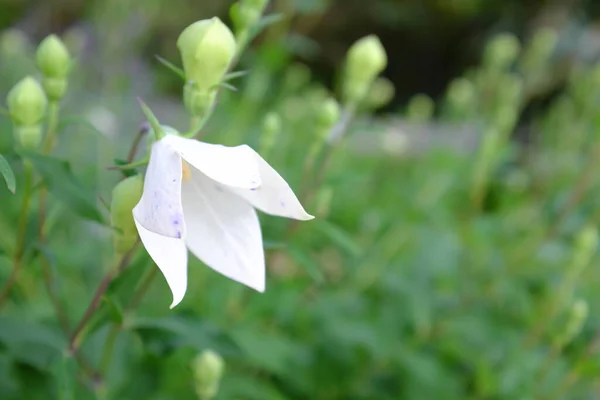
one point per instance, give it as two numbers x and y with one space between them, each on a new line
454 251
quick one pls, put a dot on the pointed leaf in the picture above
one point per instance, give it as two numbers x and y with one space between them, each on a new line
340 238
65 186
178 71
234 75
8 174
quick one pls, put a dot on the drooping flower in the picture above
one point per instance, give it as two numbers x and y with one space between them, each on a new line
202 197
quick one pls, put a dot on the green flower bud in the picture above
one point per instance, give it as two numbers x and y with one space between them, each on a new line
328 114
208 369
502 51
27 103
461 96
365 60
125 195
420 108
246 13
29 137
52 58
54 61
381 93
207 48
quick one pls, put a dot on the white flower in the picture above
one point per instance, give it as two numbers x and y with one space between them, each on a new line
202 197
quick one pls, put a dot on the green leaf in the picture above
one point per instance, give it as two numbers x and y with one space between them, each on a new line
340 238
234 75
127 172
174 68
311 267
227 86
264 23
66 370
65 186
154 123
30 342
8 174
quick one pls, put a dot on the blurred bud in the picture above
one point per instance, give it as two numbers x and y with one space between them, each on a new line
271 127
52 57
208 370
381 93
13 42
54 62
540 50
461 97
586 242
296 77
577 317
323 201
420 108
125 195
365 60
245 14
328 114
502 51
207 48
26 102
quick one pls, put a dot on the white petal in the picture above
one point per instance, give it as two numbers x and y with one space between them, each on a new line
223 230
159 210
275 196
170 255
232 166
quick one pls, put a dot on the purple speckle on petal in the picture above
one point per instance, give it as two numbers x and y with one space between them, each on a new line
174 180
178 234
282 203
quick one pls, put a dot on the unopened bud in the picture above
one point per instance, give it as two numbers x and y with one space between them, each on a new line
271 127
54 61
125 195
52 58
461 97
208 368
502 51
207 48
381 93
246 13
365 60
420 108
26 102
328 114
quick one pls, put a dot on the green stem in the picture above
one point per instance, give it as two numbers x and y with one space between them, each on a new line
22 229
50 138
111 340
79 333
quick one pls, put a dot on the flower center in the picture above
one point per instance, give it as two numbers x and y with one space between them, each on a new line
186 174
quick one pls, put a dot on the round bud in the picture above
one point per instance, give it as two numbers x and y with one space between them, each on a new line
208 369
126 194
365 60
207 48
27 103
52 58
